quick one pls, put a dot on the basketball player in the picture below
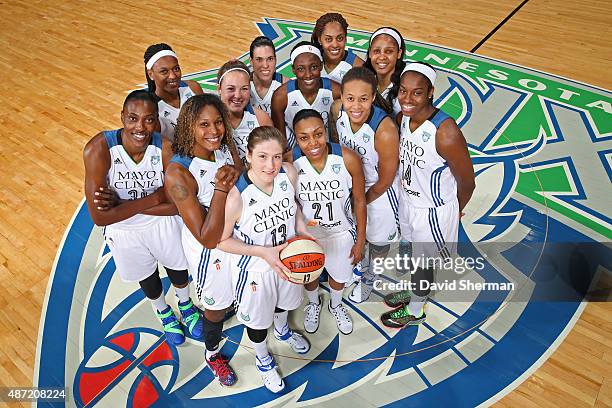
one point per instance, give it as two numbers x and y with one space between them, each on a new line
329 35
261 215
437 181
386 60
265 80
198 179
234 90
163 74
307 91
329 178
371 133
141 227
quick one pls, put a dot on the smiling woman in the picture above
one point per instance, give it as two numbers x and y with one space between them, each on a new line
163 74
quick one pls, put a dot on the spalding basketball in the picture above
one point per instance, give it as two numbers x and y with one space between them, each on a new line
304 258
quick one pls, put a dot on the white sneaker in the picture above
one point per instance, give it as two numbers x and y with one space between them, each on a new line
356 275
298 343
361 292
270 376
311 316
343 319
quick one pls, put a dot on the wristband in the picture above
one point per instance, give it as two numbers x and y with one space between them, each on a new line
217 189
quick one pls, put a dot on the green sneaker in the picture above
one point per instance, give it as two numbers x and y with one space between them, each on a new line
397 299
400 317
172 327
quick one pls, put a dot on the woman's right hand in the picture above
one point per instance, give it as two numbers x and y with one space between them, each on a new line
226 177
272 256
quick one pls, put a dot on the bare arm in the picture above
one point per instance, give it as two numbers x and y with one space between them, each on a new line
451 145
300 224
96 157
386 143
354 166
263 118
358 62
205 225
195 87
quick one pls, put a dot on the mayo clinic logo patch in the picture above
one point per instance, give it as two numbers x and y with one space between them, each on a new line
99 336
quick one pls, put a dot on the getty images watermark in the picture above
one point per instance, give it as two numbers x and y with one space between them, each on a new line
452 274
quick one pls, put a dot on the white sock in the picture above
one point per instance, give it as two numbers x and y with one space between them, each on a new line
313 295
210 353
182 293
261 351
159 304
415 307
336 297
280 323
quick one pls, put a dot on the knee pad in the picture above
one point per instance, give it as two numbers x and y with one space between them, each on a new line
152 286
178 278
257 335
212 334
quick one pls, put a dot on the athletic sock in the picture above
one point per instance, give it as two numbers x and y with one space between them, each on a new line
280 323
182 293
261 351
415 307
313 295
335 297
159 304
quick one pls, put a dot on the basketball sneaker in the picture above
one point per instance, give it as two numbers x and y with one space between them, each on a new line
397 299
361 292
298 343
312 311
172 326
269 374
192 319
343 319
401 317
222 370
356 275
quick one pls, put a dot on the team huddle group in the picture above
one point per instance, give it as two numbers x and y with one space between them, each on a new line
351 153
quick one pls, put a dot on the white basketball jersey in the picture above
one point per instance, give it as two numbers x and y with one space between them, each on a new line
168 114
425 175
362 141
204 171
265 103
296 102
267 220
242 132
325 197
342 68
133 180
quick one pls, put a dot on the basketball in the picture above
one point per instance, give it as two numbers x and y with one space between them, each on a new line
304 258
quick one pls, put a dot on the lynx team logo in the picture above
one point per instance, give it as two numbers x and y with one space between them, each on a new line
541 147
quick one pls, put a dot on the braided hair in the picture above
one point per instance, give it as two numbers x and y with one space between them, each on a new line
397 72
151 51
184 138
322 21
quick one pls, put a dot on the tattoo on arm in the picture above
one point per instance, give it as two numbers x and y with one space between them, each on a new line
179 192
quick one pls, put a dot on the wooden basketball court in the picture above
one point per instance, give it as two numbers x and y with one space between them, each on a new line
67 67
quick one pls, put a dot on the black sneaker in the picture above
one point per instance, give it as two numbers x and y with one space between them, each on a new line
400 317
397 299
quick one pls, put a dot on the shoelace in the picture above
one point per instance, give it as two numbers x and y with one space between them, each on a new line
400 313
311 312
220 366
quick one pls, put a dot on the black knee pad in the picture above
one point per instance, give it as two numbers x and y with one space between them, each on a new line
178 278
420 275
152 286
212 334
279 310
257 335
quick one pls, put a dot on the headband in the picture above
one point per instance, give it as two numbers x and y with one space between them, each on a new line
390 32
233 69
158 55
303 49
423 69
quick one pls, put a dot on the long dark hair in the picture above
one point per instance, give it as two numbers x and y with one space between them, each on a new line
399 67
